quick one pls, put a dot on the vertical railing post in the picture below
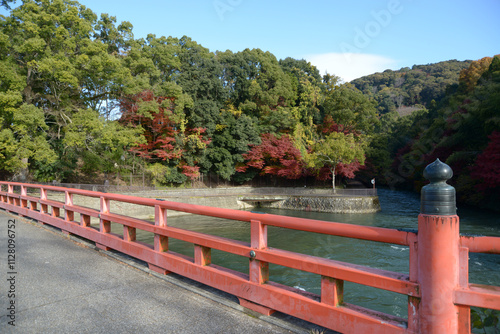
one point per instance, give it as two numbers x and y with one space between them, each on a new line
438 252
68 214
44 208
259 270
104 225
464 321
332 291
10 190
24 192
23 203
413 302
160 241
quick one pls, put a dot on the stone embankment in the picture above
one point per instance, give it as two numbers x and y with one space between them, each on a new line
305 199
330 204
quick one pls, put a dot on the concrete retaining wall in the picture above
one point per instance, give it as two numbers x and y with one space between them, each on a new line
234 198
369 204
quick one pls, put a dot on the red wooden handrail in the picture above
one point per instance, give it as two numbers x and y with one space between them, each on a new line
255 290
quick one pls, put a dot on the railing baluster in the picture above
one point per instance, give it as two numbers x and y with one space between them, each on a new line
464 310
160 241
104 225
10 190
202 255
259 270
68 214
413 302
84 220
332 291
44 208
24 192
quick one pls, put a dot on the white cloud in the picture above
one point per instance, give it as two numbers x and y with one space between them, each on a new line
350 66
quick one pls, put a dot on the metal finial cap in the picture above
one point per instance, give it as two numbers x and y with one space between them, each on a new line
438 197
438 171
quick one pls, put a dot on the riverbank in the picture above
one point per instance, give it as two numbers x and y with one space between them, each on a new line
245 198
328 204
302 199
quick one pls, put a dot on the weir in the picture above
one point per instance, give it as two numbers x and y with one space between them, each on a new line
439 295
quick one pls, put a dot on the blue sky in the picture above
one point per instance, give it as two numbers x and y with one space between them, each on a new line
346 38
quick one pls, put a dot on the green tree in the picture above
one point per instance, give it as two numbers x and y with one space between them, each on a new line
232 138
256 83
335 149
24 140
97 141
349 107
308 90
59 59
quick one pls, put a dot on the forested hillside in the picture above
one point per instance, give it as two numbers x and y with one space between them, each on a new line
410 89
82 100
463 130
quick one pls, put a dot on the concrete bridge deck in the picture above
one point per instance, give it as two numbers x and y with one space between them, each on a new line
62 285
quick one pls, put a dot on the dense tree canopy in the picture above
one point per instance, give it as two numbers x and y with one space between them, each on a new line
460 130
82 100
418 86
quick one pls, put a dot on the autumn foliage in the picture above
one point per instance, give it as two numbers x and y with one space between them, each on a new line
487 167
167 137
274 156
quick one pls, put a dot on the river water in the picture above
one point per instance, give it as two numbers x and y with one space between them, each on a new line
399 210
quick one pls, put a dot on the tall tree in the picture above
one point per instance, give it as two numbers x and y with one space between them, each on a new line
335 149
347 106
64 59
233 137
257 84
168 140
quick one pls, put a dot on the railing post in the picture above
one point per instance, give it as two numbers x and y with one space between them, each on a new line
259 270
24 192
104 225
10 190
44 208
68 214
438 252
160 241
332 291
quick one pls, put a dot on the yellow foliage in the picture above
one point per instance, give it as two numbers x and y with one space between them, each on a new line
231 109
220 127
195 139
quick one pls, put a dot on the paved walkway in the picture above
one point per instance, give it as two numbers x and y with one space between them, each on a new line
61 286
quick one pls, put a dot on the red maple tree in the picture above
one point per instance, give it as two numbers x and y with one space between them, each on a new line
487 167
274 156
166 137
329 125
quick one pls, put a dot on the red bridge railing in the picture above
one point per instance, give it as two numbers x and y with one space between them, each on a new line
439 294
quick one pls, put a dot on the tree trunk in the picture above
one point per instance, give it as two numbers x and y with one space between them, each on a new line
333 179
23 174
